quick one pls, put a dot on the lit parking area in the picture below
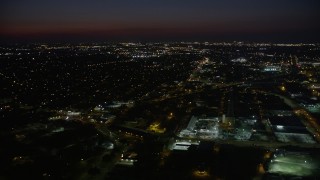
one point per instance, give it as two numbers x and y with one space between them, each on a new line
294 165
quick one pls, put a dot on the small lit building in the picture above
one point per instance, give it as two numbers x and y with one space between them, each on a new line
272 69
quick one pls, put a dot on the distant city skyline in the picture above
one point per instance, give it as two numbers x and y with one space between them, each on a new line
142 20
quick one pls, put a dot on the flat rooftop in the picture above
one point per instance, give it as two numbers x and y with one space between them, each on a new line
292 121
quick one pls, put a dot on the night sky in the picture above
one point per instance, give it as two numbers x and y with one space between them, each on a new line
161 20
